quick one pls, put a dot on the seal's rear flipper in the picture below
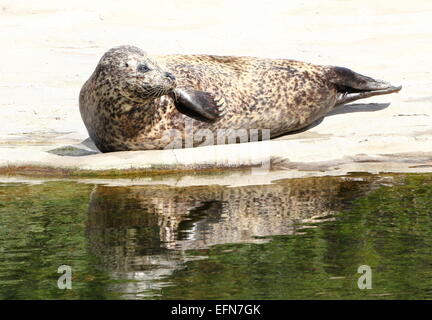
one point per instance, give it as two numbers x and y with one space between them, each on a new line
354 86
350 97
198 105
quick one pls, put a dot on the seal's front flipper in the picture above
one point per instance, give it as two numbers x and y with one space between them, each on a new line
354 86
198 105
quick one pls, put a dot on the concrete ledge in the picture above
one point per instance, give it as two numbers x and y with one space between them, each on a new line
302 156
56 47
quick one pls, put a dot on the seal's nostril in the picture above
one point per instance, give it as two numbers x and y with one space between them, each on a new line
170 76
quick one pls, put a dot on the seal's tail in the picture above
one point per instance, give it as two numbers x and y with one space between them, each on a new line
354 86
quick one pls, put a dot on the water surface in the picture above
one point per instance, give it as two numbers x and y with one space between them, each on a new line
294 239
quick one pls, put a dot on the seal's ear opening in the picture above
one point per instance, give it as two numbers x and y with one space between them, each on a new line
198 105
170 76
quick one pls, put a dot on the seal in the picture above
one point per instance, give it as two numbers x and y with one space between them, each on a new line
134 101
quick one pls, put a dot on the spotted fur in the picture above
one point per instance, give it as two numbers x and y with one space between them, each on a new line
124 108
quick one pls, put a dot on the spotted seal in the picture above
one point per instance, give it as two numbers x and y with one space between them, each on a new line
133 99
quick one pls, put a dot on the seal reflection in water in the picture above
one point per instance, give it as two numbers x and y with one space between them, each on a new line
144 232
132 100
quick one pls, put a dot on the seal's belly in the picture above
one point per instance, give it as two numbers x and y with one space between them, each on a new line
276 106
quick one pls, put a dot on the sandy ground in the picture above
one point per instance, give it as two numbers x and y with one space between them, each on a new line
49 48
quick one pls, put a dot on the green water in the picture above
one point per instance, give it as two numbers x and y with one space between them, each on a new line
294 239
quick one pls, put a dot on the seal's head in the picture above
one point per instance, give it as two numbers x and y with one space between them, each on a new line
135 76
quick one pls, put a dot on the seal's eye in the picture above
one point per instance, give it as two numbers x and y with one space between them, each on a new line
126 64
143 68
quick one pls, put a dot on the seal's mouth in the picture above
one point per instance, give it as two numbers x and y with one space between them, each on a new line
141 89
